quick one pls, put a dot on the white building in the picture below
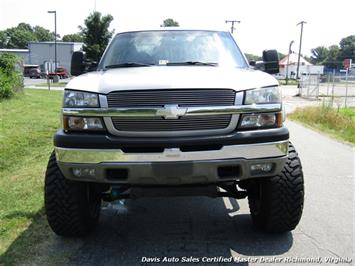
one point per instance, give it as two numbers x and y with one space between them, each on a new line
305 66
22 53
42 54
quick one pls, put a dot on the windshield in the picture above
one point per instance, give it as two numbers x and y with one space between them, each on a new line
169 48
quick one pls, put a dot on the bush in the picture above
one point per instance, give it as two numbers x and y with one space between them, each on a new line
11 79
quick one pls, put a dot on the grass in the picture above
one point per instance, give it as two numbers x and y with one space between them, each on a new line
338 123
58 84
27 124
349 112
290 82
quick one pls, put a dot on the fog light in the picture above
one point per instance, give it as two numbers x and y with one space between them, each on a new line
77 172
83 172
261 168
82 123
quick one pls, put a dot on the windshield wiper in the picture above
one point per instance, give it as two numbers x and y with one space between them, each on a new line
192 63
128 64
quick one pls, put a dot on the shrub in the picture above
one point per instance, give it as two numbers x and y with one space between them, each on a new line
11 79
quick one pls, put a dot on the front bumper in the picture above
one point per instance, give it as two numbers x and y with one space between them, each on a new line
172 166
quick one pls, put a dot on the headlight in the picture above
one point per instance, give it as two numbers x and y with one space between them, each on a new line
263 95
263 120
83 123
80 99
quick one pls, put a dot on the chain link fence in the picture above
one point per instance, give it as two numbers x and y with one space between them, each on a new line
337 89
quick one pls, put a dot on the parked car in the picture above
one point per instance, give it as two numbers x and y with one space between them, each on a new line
34 73
28 68
279 76
59 71
173 113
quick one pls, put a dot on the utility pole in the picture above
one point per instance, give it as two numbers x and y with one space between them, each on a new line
55 37
299 51
288 60
232 26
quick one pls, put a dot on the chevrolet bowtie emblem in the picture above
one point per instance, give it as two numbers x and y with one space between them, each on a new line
171 111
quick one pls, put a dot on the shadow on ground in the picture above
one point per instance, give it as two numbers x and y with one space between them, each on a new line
158 227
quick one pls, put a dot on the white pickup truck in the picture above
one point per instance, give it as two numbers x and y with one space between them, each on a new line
173 112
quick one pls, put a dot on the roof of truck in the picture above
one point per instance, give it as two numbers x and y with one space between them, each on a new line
175 29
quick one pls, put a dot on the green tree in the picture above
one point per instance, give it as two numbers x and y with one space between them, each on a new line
169 22
347 48
41 34
75 37
3 39
24 26
319 54
334 55
253 57
19 38
96 35
22 34
281 55
332 60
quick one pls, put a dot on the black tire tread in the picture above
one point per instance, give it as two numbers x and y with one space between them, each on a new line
282 198
68 211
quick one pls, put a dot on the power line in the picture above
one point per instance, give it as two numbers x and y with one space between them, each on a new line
299 51
232 26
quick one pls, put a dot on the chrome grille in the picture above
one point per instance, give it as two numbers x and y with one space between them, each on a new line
161 124
181 97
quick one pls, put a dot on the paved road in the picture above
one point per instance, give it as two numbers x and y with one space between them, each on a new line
203 227
30 82
33 84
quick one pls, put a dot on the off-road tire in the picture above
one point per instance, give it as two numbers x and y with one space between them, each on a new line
276 203
72 208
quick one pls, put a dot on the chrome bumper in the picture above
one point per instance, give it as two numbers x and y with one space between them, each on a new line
246 151
172 167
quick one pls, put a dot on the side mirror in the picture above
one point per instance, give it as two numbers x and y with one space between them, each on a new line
77 63
270 63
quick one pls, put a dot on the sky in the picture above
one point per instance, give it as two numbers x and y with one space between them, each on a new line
264 24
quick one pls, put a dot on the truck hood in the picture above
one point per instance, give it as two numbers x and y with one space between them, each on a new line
168 77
